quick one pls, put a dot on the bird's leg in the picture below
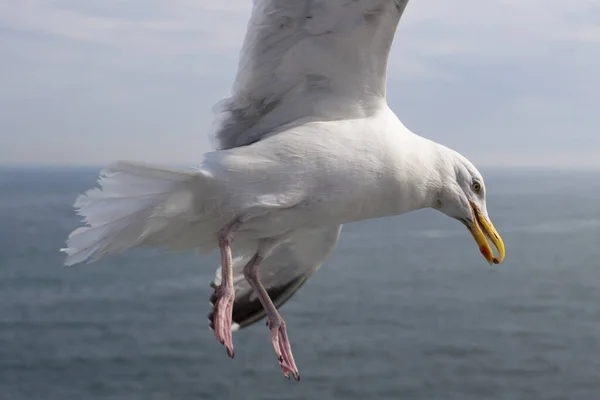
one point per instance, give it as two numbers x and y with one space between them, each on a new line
275 322
225 292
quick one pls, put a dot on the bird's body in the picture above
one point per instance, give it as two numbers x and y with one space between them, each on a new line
306 143
336 171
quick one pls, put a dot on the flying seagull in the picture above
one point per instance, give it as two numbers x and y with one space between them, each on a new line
306 143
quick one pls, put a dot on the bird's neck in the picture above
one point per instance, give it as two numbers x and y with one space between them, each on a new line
420 174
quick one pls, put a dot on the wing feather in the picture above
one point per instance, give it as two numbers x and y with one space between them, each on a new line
320 59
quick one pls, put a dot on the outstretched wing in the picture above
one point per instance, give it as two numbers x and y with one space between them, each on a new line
282 273
302 59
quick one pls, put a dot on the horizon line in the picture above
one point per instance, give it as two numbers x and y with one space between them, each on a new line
508 167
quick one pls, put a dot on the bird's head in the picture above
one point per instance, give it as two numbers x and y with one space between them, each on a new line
463 197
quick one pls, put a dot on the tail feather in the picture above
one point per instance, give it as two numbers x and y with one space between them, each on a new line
139 205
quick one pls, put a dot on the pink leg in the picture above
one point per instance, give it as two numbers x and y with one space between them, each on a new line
225 292
275 322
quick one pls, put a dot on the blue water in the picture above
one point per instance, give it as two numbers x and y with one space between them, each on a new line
405 308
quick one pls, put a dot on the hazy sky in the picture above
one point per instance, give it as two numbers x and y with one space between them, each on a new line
505 82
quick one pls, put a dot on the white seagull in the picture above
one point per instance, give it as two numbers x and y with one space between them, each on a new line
306 143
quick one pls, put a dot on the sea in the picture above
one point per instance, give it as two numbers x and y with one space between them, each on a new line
404 308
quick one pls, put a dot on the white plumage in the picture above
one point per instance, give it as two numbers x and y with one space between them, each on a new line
305 144
136 205
309 60
305 66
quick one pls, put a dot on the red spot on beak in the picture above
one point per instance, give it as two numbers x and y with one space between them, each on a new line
486 252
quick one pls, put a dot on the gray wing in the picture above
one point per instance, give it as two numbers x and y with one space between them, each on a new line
282 273
308 59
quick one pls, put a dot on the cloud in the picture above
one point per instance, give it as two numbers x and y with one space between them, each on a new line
516 86
506 82
153 26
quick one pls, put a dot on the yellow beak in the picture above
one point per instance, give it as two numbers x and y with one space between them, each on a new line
482 230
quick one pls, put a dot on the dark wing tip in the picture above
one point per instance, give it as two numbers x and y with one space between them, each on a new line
247 311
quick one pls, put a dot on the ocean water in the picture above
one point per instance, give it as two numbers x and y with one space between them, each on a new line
405 308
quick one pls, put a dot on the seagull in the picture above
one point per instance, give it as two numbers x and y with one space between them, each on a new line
305 144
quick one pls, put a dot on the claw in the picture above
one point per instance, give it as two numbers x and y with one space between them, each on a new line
276 324
283 349
222 313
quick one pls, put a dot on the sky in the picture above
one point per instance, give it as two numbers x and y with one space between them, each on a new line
507 83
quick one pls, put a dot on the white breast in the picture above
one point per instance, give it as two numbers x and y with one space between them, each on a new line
318 173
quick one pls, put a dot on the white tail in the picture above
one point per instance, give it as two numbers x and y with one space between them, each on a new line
140 205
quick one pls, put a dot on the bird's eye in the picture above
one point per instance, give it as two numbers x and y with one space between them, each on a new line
476 186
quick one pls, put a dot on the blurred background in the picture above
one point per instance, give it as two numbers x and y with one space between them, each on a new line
404 308
505 82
